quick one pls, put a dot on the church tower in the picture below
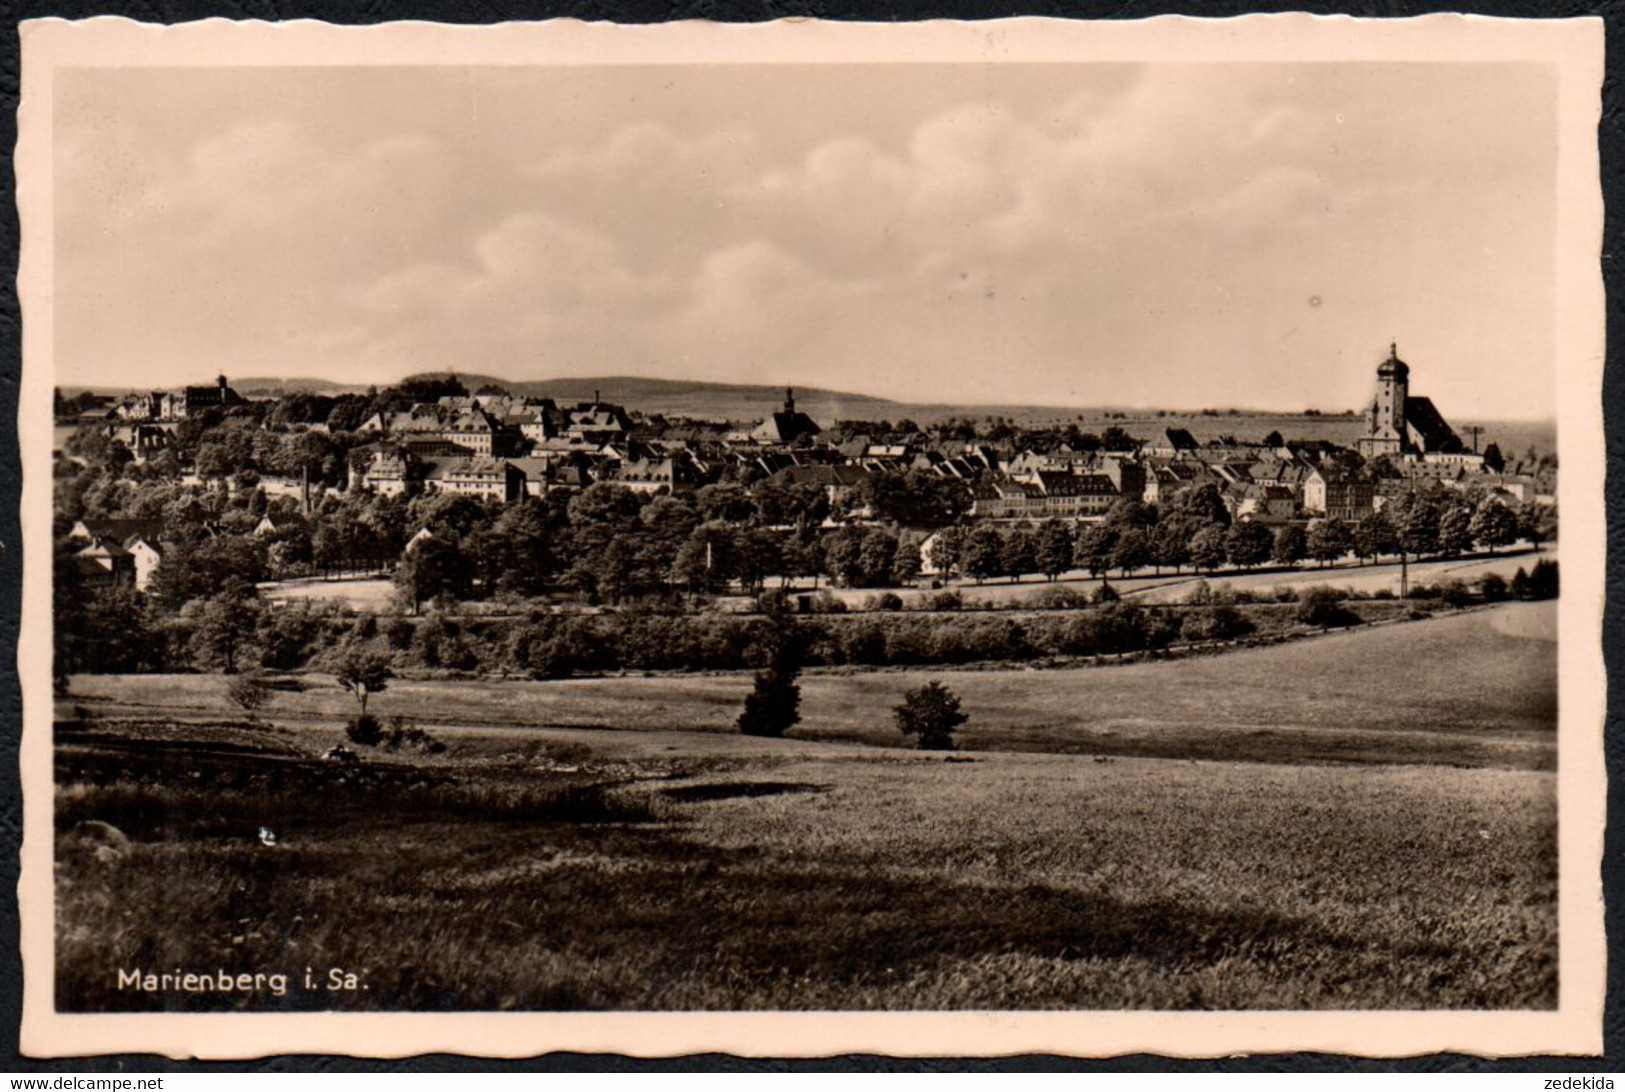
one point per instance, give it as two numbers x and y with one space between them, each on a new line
1385 433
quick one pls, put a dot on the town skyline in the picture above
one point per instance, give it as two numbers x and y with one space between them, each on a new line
1091 235
584 385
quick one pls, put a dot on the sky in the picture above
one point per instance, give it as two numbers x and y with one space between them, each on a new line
1160 235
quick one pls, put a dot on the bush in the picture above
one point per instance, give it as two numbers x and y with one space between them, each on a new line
930 713
364 730
885 601
827 602
944 600
250 692
402 734
773 600
1323 607
1542 582
1492 588
1455 593
1216 623
1058 598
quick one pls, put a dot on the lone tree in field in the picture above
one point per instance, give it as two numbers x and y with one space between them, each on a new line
931 713
773 706
363 674
249 693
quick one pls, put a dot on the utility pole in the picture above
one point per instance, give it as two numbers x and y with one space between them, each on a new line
1404 554
1475 430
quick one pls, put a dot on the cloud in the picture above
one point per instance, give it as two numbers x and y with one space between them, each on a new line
1132 241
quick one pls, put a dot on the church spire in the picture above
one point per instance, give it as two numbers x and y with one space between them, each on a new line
789 400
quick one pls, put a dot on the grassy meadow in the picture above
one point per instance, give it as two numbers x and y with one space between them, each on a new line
1361 820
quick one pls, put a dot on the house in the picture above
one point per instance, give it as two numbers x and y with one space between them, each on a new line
478 432
273 524
143 440
1002 498
104 564
840 483
146 558
1163 482
786 425
116 530
1338 496
392 472
1172 443
1267 504
187 402
1128 476
485 478
1073 496
596 421
655 474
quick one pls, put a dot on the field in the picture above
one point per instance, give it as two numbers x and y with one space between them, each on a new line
1332 823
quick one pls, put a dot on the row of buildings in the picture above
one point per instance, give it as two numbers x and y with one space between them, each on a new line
501 448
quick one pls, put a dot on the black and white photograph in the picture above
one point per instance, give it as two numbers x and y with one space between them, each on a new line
966 524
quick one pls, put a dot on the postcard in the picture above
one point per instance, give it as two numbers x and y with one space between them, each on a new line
806 538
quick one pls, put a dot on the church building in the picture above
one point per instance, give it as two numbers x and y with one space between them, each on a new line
1400 424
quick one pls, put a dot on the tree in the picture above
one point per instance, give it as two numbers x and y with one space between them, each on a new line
1455 529
1329 539
1054 553
1202 503
1494 461
705 561
1536 523
1207 547
1093 548
876 553
905 563
1020 553
930 713
843 556
1131 550
1170 542
1247 544
1418 523
774 704
983 555
1113 438
223 629
430 567
916 498
1375 535
947 548
1494 525
1274 440
363 673
1291 545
